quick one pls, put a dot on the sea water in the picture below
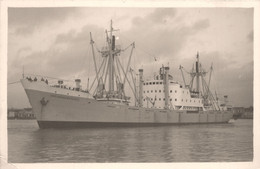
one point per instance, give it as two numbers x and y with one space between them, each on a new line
180 143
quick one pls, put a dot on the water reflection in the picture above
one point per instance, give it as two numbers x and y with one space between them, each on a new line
227 142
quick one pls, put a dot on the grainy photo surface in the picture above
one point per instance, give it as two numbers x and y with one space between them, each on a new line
103 84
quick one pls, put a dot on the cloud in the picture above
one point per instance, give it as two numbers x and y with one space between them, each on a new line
201 24
164 42
250 36
169 35
160 15
26 20
68 55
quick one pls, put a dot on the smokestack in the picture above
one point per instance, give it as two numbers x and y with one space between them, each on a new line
141 87
197 67
166 87
113 42
226 99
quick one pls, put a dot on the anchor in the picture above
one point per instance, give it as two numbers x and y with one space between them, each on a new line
44 102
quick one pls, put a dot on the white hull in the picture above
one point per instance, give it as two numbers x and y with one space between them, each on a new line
65 108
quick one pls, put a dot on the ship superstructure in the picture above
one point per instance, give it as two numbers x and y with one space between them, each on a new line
178 97
159 101
191 97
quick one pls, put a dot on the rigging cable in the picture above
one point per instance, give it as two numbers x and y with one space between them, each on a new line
13 82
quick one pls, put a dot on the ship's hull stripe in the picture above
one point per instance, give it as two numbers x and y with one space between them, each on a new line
70 124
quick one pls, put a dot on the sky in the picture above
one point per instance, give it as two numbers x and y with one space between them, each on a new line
55 42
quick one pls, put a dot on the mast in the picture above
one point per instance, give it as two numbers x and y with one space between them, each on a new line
111 68
182 75
94 58
111 60
198 74
166 86
23 71
134 82
141 87
211 69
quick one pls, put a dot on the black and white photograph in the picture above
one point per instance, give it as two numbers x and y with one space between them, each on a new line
129 84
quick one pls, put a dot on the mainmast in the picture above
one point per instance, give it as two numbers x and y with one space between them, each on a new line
201 90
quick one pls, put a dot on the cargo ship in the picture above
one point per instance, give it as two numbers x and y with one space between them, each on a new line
157 101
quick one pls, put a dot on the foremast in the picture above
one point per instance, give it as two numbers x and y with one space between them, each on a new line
111 69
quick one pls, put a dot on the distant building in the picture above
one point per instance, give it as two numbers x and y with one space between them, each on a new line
249 113
243 113
25 113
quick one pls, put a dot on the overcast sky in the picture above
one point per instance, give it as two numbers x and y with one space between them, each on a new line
55 42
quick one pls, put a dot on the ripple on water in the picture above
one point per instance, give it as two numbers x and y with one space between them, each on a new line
186 143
